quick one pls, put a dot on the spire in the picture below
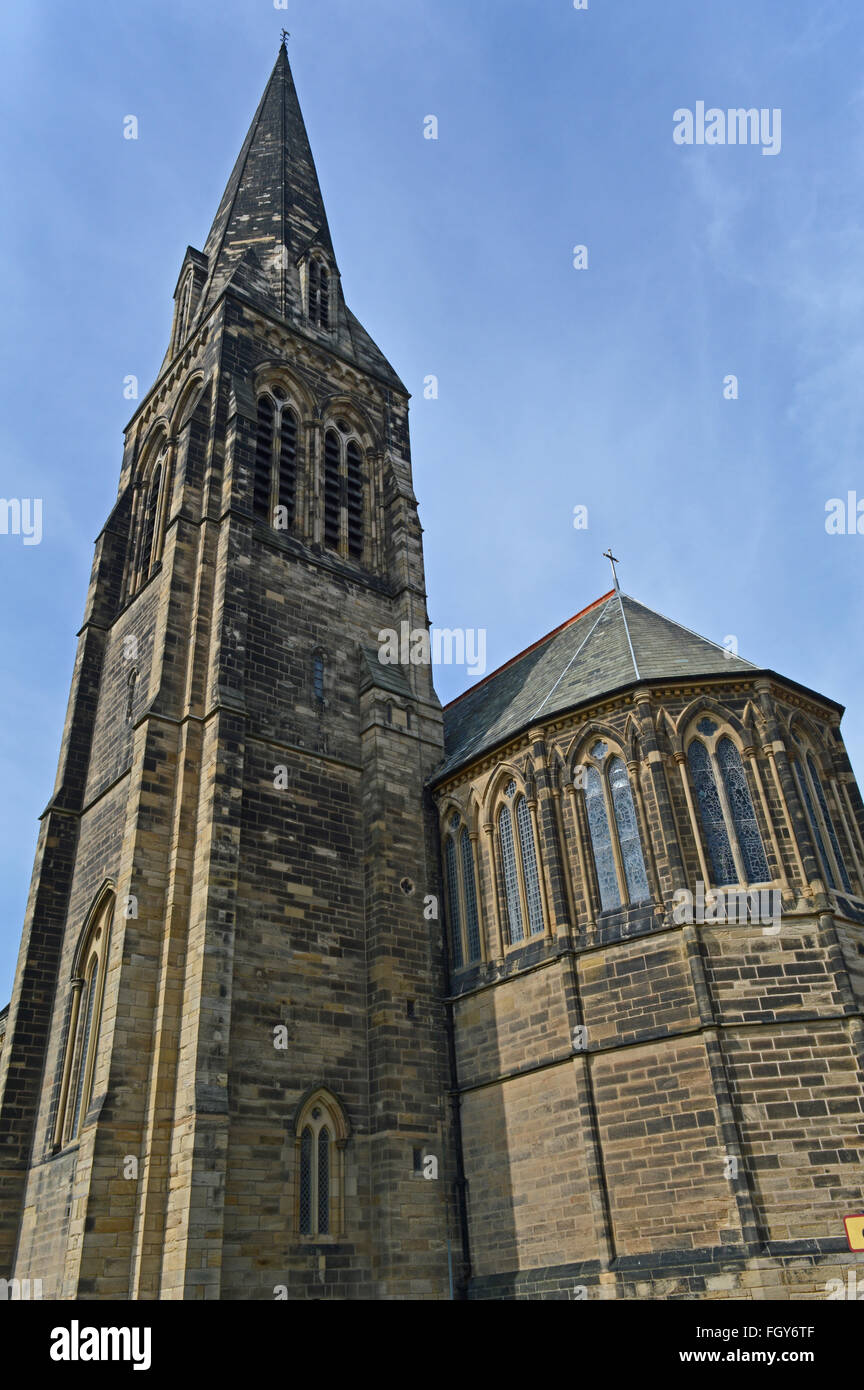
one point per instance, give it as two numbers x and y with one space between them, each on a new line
272 211
271 218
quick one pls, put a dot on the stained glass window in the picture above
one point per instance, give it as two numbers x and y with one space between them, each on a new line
628 833
472 922
306 1182
323 1182
829 824
599 751
706 727
453 900
601 841
529 867
510 789
318 677
711 815
804 791
743 814
511 881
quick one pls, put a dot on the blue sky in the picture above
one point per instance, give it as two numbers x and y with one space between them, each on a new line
558 387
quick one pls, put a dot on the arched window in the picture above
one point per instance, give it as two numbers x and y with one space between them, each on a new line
614 830
354 498
319 294
454 902
322 1132
318 677
461 894
151 518
274 490
332 489
130 693
522 895
264 436
726 812
743 814
344 486
815 803
85 1014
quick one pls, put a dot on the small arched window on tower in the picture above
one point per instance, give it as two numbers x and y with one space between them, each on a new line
815 804
318 678
130 693
321 1136
461 893
522 897
274 490
319 293
726 812
614 831
87 992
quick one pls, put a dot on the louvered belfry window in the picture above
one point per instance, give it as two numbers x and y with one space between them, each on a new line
354 498
344 490
332 489
319 294
275 480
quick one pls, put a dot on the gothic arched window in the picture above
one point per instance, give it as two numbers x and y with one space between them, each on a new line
522 895
726 811
742 812
821 823
354 498
332 489
318 677
344 487
151 519
322 1132
85 1015
614 830
461 894
274 489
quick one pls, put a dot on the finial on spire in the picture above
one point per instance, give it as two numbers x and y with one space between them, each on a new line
613 560
285 37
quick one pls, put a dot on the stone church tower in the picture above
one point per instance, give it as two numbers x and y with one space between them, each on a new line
246 1055
225 1065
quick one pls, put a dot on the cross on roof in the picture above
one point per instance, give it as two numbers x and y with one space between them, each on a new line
613 560
285 37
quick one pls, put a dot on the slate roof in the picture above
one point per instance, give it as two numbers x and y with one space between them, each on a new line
613 643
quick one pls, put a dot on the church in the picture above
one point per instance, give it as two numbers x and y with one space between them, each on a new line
325 992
